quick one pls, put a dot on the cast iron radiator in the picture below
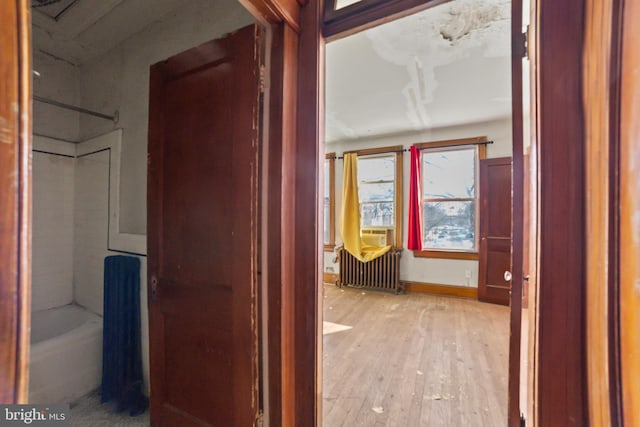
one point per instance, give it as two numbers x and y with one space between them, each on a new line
382 273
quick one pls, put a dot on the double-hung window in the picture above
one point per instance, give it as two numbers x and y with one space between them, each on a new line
450 198
380 190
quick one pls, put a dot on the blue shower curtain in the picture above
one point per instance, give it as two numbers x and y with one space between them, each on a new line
121 343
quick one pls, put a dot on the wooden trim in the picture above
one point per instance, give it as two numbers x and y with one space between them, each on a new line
275 11
561 385
517 215
436 289
446 255
329 248
369 13
452 142
15 202
331 244
629 211
601 99
307 277
377 150
330 278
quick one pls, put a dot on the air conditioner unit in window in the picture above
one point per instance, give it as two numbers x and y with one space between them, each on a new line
377 236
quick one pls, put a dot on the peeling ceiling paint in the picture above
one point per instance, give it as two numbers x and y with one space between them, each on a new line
444 66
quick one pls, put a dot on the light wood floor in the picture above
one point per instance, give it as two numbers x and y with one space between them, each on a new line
414 360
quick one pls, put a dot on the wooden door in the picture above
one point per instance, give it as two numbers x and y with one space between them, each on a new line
495 230
203 234
15 200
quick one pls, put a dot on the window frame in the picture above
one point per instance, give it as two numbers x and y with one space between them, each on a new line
397 151
479 143
331 244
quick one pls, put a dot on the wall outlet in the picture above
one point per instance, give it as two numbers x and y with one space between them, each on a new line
467 274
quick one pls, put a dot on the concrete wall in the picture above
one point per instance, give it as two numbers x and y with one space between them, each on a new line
119 81
427 270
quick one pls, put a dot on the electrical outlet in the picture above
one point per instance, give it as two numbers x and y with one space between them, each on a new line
467 274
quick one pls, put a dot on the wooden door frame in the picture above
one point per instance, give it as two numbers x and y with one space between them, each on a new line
15 200
564 304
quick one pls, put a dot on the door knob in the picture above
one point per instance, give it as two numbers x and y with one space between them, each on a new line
507 276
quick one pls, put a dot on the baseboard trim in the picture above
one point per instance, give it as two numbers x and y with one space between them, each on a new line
330 278
435 289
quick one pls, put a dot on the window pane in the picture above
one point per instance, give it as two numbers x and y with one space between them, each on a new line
449 174
326 223
376 214
374 169
376 192
449 225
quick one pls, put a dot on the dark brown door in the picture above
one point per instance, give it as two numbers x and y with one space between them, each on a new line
495 230
203 234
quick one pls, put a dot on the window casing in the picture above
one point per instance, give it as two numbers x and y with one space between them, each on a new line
449 199
329 231
380 190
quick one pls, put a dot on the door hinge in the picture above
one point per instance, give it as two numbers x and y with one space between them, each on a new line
262 78
260 419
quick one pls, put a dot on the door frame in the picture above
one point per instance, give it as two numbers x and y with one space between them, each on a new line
559 370
15 200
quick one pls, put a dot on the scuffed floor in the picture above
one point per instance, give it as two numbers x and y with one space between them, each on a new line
414 360
89 412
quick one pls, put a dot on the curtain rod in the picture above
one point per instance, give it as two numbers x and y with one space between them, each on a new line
404 150
113 118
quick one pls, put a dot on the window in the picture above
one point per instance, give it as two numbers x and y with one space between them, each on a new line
329 201
450 198
380 190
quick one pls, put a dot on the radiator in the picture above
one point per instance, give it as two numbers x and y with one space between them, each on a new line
383 273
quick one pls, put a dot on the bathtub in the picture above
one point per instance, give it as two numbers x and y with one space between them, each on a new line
66 354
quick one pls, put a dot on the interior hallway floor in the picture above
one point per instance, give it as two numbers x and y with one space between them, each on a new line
414 360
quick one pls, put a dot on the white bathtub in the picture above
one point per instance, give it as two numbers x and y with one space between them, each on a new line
66 354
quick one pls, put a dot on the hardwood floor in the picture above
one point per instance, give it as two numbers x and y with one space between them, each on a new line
414 360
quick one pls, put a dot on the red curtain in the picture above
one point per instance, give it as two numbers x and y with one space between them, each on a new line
414 241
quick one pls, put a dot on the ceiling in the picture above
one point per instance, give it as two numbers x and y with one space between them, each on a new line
445 66
80 30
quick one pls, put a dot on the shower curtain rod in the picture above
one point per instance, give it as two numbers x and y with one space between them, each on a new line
113 118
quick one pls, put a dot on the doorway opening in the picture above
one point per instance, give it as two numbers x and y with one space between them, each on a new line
439 81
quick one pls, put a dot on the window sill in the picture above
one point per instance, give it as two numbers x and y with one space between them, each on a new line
446 255
329 247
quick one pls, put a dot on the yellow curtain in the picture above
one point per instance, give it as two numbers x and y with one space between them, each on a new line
350 224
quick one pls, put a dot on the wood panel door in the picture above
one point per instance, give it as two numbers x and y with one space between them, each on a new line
203 234
495 230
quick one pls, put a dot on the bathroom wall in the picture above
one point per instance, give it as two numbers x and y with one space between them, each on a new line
425 270
53 183
119 81
52 261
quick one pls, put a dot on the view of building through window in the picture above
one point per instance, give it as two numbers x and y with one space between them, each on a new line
449 198
376 185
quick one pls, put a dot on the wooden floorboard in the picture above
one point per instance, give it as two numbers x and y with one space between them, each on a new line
414 360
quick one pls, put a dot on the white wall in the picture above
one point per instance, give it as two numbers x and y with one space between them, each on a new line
426 270
58 81
53 183
120 81
52 261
